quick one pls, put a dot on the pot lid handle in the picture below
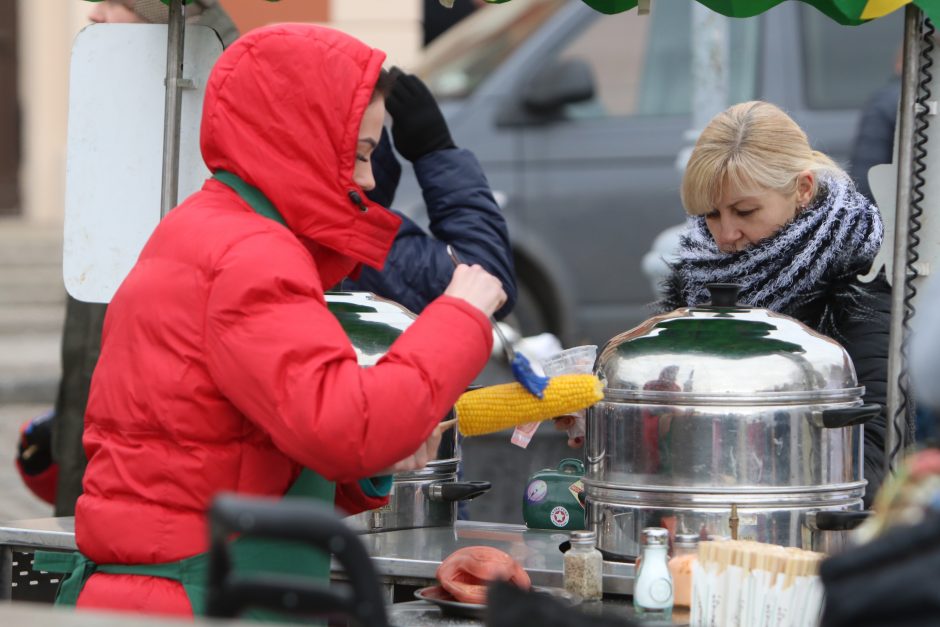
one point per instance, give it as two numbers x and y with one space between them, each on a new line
723 294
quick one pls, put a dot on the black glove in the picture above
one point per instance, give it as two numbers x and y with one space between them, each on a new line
418 127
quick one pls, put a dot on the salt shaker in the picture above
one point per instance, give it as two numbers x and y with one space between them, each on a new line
584 567
652 590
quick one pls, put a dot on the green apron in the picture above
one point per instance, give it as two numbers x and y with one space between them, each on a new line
248 554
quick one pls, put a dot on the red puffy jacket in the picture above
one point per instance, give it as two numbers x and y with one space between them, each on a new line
221 367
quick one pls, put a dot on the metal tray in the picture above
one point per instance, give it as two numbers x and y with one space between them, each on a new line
452 607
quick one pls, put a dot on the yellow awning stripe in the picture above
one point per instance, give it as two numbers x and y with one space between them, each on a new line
878 8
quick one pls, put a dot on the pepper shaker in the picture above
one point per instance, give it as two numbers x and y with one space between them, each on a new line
584 567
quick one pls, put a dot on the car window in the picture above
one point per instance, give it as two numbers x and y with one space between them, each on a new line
843 65
457 62
642 64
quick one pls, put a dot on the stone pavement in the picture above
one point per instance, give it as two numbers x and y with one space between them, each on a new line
32 308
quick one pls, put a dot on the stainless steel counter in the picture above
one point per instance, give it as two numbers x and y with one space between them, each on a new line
409 557
416 553
39 533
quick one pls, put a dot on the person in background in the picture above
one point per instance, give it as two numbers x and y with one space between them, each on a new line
786 224
222 368
874 137
874 145
460 204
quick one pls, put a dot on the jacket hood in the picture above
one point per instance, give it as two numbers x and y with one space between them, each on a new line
282 111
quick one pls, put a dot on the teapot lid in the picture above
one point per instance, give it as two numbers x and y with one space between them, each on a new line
722 352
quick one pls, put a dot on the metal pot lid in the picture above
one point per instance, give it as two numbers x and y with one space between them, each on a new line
723 353
372 323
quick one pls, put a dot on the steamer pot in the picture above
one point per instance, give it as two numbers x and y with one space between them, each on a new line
725 420
427 497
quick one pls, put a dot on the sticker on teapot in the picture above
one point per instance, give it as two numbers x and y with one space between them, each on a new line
536 491
576 489
560 517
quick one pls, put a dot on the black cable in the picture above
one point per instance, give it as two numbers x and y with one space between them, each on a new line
906 405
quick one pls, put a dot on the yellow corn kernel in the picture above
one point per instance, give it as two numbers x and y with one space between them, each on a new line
499 407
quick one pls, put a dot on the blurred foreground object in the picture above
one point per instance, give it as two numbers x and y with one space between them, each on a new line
891 577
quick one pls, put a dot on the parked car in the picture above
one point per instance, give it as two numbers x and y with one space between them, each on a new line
580 119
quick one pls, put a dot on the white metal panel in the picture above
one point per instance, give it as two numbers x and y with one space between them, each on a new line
115 147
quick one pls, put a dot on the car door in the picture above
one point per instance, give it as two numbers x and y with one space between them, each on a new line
601 179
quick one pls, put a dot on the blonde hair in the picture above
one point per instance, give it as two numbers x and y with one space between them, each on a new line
750 146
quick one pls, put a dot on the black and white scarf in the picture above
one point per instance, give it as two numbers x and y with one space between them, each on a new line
836 237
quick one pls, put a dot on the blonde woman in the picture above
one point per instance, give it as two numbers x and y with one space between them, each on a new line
784 222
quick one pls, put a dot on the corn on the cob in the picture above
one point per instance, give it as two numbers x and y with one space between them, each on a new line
498 407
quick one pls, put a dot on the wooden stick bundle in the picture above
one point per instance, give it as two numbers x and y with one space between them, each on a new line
748 555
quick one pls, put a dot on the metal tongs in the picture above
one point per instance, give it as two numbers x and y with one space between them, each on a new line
521 368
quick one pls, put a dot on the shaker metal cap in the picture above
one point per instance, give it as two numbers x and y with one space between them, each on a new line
583 537
687 539
655 536
724 353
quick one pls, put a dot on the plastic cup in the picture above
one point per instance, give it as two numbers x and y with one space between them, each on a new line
577 360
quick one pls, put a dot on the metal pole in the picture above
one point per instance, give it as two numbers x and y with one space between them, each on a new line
897 372
173 108
710 69
710 65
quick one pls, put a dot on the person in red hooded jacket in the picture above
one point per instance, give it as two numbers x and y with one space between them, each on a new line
221 367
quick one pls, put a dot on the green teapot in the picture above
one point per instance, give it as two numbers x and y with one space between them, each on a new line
553 497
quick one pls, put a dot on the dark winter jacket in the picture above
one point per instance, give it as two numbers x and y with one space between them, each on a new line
858 316
860 320
462 213
874 140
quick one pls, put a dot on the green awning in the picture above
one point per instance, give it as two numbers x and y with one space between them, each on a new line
848 12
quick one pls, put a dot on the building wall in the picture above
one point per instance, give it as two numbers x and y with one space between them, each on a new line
46 29
390 25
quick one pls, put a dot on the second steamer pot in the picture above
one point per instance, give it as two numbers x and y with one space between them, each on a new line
729 421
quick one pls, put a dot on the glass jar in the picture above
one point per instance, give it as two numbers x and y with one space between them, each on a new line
652 590
684 556
584 567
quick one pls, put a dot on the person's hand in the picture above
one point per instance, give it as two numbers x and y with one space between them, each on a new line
478 287
420 458
565 423
418 126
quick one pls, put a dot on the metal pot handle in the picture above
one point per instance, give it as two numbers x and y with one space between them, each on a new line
835 520
849 416
451 491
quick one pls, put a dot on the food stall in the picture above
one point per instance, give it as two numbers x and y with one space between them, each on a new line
799 502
